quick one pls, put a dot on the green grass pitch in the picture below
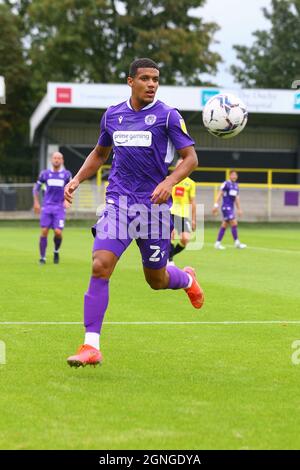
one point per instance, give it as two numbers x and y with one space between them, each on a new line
161 386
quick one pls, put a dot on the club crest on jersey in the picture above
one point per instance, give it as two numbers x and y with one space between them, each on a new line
150 119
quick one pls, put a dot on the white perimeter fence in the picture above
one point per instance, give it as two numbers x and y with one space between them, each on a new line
258 204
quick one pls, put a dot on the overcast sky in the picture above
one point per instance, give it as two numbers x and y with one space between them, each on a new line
237 19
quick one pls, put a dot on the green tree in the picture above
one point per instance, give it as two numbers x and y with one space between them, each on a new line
92 41
273 61
166 31
69 40
95 40
15 113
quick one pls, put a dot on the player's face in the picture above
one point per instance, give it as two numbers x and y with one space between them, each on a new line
233 176
144 86
57 160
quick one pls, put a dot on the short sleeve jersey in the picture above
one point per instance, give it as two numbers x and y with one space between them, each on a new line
182 194
230 192
54 182
144 145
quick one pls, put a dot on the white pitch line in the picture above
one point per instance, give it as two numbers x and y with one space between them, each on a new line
273 250
246 322
260 248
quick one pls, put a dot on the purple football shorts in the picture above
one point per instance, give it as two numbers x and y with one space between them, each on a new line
228 213
150 227
53 217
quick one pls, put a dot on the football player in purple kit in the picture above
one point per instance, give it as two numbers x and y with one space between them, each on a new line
229 191
53 205
144 134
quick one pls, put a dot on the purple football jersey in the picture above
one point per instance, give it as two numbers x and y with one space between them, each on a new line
230 192
54 181
144 145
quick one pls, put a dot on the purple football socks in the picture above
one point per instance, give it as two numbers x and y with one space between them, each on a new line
95 304
221 233
57 242
43 246
234 232
178 279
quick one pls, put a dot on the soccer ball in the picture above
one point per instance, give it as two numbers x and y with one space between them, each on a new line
225 116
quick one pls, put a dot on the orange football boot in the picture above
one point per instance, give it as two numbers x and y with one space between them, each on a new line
86 355
195 292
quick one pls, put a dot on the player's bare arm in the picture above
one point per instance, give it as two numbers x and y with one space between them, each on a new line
67 204
217 203
238 206
163 190
93 162
36 203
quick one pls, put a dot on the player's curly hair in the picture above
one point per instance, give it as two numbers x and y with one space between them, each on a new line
141 63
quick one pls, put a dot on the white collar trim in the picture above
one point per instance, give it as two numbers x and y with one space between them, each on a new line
146 107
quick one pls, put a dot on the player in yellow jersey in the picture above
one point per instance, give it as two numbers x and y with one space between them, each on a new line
184 203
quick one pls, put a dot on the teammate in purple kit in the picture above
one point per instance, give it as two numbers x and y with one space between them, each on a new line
53 206
144 134
229 191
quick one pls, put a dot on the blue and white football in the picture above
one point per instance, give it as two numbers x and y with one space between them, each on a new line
225 115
